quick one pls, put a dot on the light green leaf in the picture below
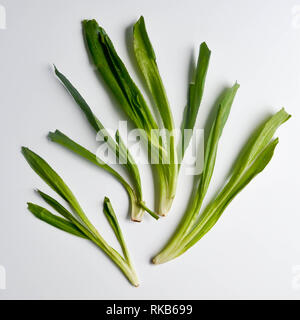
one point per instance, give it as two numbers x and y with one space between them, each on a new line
147 63
254 158
259 140
213 140
213 212
131 165
113 221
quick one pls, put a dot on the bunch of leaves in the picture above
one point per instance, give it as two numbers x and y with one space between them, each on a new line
118 147
164 152
77 223
253 159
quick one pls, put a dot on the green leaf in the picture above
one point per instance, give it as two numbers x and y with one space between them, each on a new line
65 213
135 195
62 139
196 89
68 143
90 116
113 221
153 214
119 148
259 140
92 119
147 63
116 76
213 139
254 158
42 168
211 149
58 222
213 212
131 165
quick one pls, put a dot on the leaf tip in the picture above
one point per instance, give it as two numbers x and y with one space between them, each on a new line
141 19
106 200
24 150
50 135
236 85
30 206
204 46
287 114
39 192
56 71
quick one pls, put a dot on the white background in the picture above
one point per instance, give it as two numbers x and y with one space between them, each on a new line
253 249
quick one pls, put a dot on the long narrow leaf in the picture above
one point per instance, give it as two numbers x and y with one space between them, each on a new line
135 196
116 76
58 222
254 158
42 168
209 158
114 73
259 140
146 59
68 143
213 139
91 117
65 213
196 89
122 153
113 221
147 63
130 163
212 214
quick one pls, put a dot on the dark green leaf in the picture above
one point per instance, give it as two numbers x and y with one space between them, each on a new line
196 89
68 143
116 76
42 168
58 222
